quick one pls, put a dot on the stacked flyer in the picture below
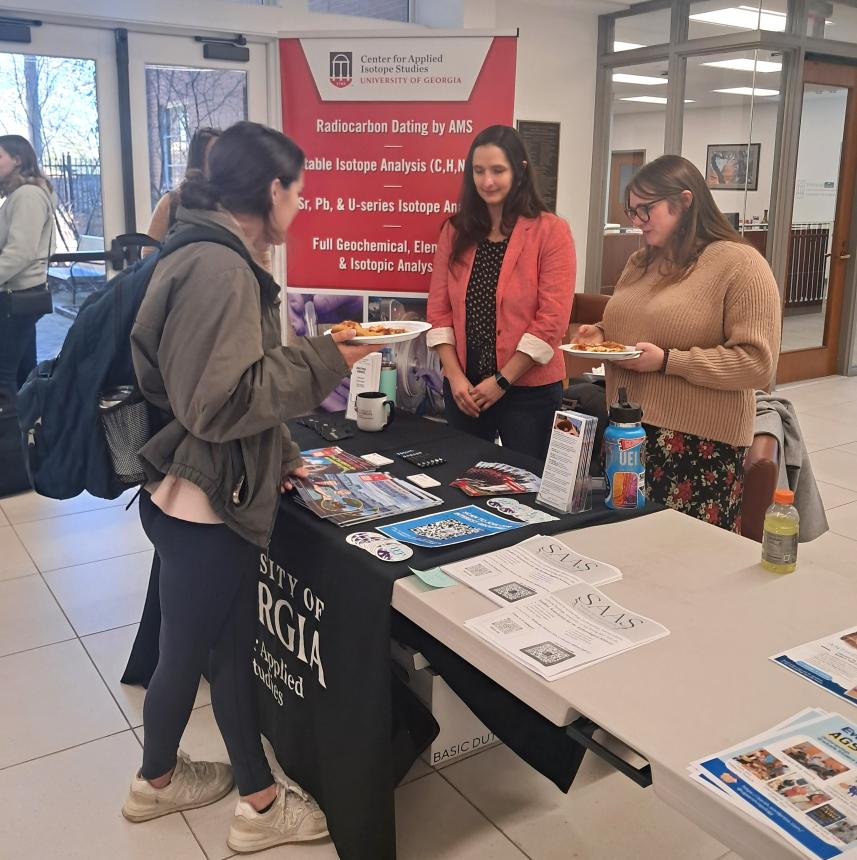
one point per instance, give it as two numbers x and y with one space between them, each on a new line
554 620
350 498
342 489
799 778
488 479
565 480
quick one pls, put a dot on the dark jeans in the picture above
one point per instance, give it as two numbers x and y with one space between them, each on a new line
208 590
523 417
17 353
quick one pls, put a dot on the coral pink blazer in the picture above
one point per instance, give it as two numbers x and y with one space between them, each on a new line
534 296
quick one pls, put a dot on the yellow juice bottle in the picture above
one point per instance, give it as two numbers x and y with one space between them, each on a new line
780 534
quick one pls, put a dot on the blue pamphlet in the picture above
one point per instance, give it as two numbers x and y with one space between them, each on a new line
447 528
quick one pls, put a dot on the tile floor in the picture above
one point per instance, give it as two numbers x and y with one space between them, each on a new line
72 581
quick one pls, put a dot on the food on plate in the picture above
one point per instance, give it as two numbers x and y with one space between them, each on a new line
369 330
605 346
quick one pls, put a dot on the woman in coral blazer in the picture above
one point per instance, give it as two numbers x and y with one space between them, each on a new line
500 299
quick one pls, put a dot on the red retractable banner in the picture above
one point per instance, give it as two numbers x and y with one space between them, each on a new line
385 123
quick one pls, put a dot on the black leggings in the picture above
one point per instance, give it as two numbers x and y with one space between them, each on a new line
208 592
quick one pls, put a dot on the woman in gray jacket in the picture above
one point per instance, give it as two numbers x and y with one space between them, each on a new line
207 353
26 229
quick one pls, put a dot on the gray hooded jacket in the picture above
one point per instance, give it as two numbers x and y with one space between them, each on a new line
207 350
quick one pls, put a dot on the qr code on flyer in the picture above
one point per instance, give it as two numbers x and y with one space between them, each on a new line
512 591
444 529
547 653
506 626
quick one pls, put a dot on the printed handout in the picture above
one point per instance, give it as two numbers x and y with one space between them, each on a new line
535 566
799 778
558 633
830 662
447 528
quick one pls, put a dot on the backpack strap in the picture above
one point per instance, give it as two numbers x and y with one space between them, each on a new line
219 236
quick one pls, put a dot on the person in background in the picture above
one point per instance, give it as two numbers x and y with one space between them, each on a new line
207 354
704 309
26 243
500 299
164 215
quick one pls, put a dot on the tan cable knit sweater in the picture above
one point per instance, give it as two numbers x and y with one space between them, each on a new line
722 327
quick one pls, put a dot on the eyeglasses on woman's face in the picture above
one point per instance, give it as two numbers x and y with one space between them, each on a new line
643 211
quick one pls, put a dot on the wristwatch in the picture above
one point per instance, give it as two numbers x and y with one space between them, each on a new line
502 381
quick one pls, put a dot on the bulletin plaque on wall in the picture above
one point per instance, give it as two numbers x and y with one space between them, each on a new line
542 142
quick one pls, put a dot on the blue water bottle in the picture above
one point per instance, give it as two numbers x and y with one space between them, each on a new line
624 455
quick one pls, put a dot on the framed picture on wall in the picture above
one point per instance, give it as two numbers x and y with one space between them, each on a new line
731 166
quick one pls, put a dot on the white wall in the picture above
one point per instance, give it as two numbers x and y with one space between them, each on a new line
201 15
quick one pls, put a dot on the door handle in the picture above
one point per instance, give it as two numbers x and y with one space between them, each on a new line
844 256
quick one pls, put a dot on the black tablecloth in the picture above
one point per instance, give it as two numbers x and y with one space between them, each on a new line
323 650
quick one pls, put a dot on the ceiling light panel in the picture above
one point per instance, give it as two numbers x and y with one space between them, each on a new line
743 18
764 67
644 80
747 91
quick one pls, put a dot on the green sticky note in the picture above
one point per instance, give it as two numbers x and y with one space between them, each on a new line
434 577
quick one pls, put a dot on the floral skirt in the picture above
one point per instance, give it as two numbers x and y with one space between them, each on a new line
696 476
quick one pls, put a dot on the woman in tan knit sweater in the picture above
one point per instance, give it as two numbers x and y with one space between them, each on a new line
703 307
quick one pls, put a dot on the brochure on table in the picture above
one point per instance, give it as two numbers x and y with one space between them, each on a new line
333 460
830 662
490 479
799 778
365 376
447 528
536 566
565 479
351 498
558 633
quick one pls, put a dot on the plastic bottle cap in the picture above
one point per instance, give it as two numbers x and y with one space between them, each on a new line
624 411
784 497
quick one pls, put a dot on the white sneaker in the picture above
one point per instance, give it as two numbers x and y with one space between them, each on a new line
193 784
294 817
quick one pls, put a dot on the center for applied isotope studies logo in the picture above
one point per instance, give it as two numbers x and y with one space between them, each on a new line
340 68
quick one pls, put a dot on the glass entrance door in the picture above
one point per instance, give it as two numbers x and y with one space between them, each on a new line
175 91
819 251
56 91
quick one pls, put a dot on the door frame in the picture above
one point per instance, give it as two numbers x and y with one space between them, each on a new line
182 50
613 182
827 359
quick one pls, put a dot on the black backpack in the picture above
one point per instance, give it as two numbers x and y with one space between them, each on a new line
58 413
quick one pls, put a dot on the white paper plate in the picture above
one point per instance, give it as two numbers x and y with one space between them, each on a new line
414 329
630 352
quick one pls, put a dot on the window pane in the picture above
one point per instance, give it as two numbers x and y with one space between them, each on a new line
832 21
638 119
393 10
181 100
637 31
730 124
52 102
722 17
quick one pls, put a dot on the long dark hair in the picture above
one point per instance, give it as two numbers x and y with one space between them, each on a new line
28 171
198 145
472 222
700 224
242 164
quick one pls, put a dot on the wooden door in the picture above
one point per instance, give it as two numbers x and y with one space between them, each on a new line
623 165
819 254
